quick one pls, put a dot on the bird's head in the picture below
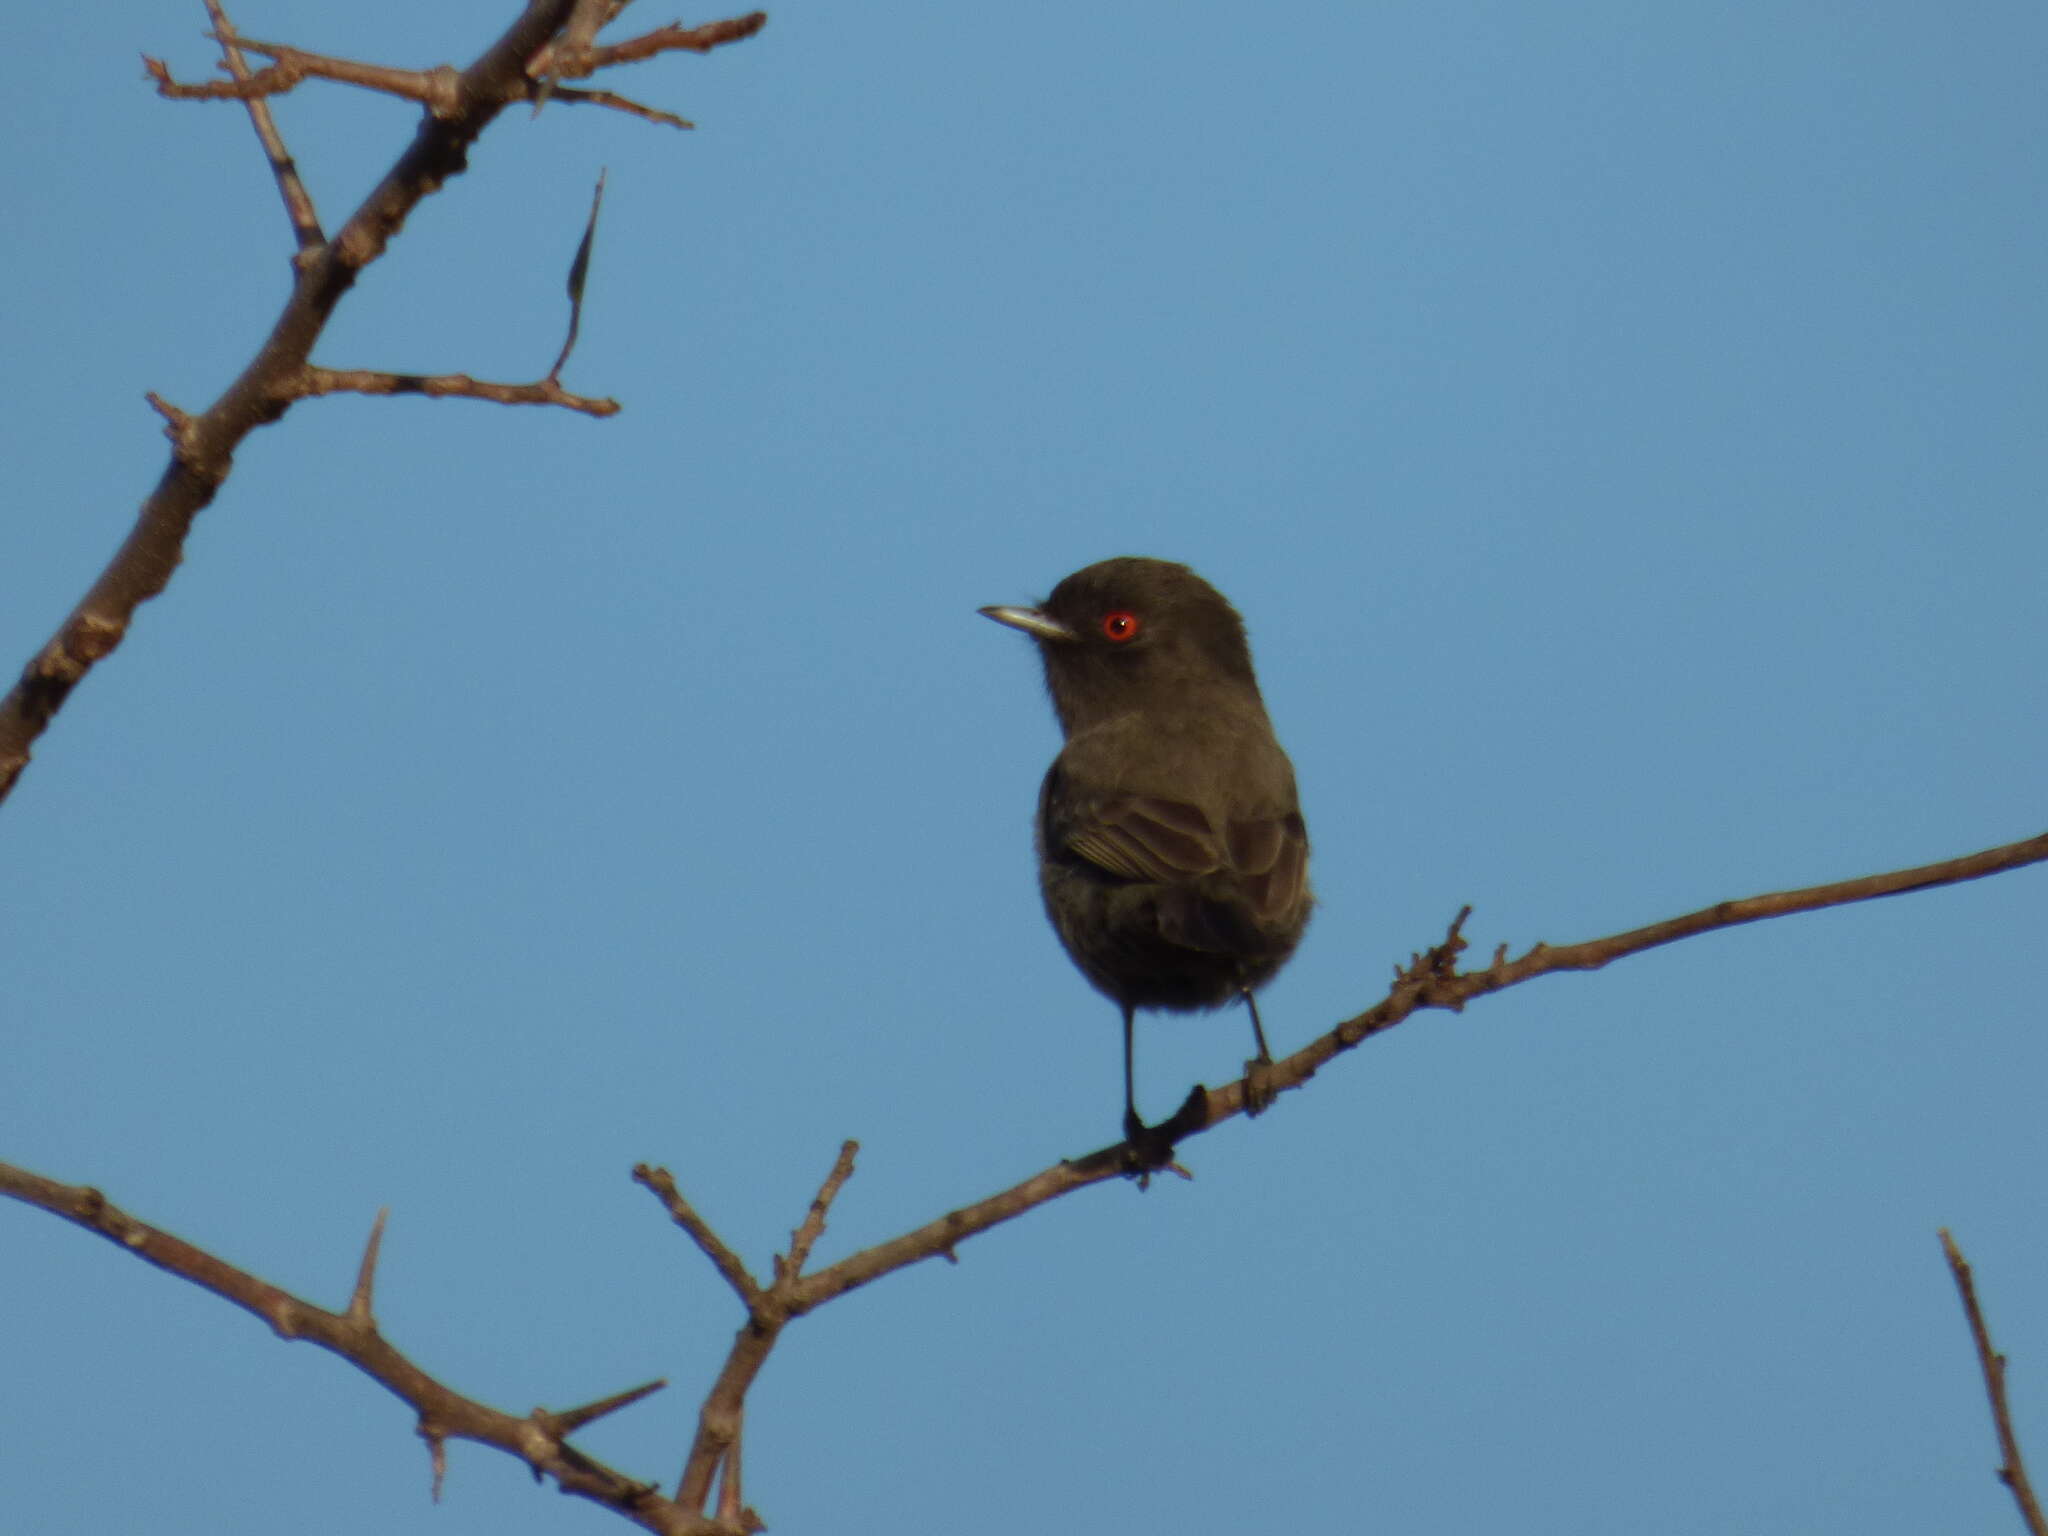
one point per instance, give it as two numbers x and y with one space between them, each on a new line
1129 633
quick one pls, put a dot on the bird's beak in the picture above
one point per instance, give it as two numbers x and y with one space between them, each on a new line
1034 623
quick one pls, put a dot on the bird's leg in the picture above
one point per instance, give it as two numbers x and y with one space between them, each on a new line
1258 1031
1134 1128
1258 1083
1150 1147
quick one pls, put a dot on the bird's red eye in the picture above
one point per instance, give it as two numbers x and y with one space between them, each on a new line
1120 627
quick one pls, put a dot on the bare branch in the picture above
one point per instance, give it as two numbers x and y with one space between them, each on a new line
444 1414
298 203
1595 953
312 380
203 455
2014 1471
938 1238
462 105
663 1186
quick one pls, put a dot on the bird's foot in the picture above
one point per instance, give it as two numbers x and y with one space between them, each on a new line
1260 1084
1149 1148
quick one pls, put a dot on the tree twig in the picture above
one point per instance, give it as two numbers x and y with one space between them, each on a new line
298 202
699 39
806 1236
311 380
2013 1472
618 103
435 89
661 1183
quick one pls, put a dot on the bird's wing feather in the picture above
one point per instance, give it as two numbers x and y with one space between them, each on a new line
1271 858
1143 837
1172 842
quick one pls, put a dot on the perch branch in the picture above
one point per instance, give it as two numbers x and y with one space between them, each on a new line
1431 979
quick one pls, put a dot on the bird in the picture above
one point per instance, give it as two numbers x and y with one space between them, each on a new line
1172 854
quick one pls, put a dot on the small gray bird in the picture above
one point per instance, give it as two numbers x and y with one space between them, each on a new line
1171 850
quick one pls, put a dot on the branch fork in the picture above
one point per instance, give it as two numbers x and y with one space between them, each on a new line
715 1453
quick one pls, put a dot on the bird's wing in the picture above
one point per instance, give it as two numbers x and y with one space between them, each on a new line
1145 837
1172 842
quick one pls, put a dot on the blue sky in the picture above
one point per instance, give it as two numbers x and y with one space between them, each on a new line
1622 428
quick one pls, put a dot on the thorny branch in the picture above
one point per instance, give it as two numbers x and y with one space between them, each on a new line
460 105
2013 1471
539 1439
1431 979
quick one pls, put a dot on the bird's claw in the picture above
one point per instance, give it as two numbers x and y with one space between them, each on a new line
1149 1148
